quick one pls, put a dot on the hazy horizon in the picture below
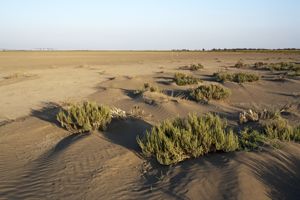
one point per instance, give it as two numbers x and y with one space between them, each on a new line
149 25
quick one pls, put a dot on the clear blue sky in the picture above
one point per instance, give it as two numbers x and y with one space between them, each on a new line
149 24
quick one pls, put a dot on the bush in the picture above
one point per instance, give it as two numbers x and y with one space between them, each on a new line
183 79
182 138
236 77
240 64
251 139
85 117
208 92
148 87
197 67
279 128
151 88
192 67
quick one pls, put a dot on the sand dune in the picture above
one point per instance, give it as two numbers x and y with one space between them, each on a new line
40 160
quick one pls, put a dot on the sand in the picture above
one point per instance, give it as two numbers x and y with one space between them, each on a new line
40 160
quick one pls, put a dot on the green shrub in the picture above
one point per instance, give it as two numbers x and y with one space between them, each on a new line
183 79
279 128
182 138
251 139
236 77
208 92
85 117
296 134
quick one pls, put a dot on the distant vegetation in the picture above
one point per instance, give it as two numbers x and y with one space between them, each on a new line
192 67
84 117
205 93
282 66
236 77
285 50
183 79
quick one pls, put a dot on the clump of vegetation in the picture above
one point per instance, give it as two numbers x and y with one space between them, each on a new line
85 117
183 79
240 64
151 88
196 67
205 93
192 67
250 139
173 141
279 128
282 66
236 77
148 87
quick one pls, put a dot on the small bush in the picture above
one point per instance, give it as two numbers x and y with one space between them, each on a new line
182 138
148 87
240 64
251 139
236 77
151 88
183 79
192 67
296 134
197 67
208 92
279 128
85 117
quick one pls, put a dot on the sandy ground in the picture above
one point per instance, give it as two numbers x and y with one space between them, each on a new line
40 160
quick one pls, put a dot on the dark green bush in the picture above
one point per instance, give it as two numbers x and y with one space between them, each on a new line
85 117
208 92
251 139
182 138
183 79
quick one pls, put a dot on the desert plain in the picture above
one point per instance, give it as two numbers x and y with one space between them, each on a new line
41 160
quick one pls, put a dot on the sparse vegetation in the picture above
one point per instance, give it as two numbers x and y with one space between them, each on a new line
205 93
240 64
183 79
236 77
192 67
148 87
173 141
84 117
282 66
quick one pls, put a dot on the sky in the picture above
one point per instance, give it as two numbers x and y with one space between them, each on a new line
149 24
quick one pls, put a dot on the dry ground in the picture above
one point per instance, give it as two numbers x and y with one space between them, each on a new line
39 160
